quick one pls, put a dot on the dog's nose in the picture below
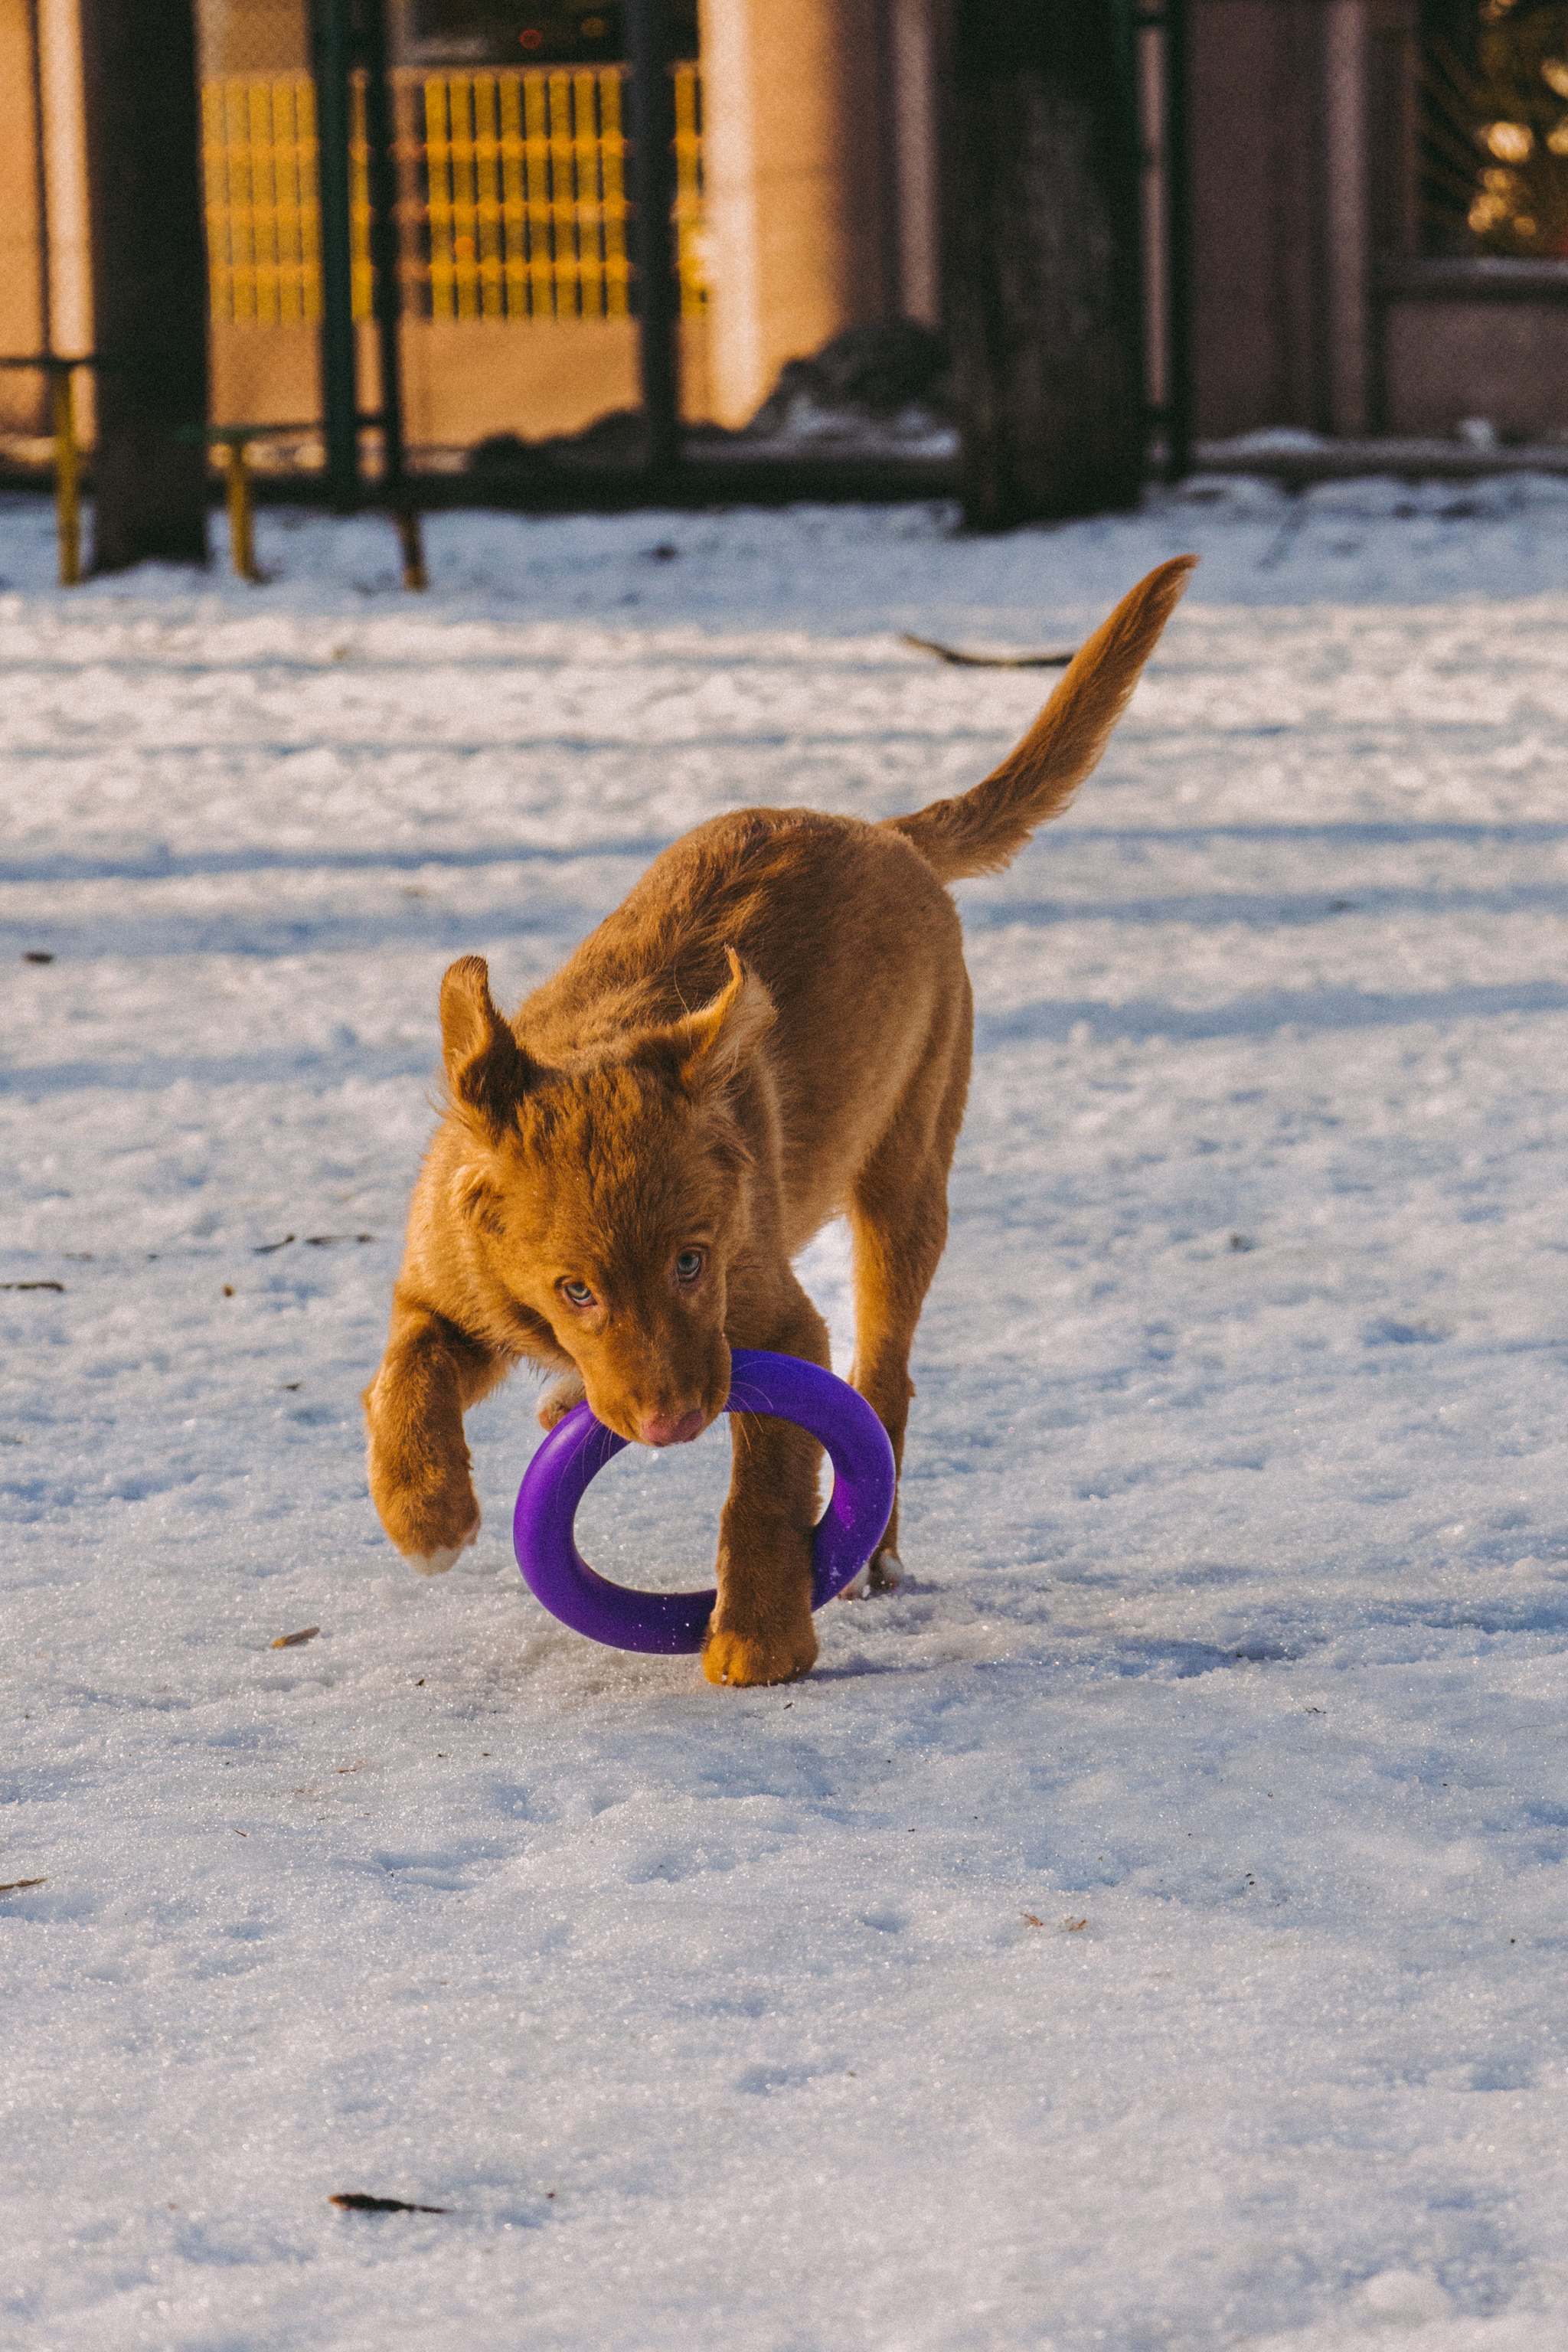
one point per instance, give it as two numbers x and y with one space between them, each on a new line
666 1429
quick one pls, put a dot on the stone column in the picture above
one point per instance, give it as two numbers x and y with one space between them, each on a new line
24 398
917 165
71 325
1347 212
795 110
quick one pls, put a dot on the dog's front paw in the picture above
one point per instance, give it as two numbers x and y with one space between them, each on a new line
436 1563
741 1659
429 1528
562 1397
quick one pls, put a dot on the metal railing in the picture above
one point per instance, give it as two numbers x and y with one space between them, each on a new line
512 202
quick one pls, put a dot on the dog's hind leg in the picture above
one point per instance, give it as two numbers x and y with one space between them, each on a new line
897 1221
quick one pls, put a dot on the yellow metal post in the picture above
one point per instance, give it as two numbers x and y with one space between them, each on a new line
412 539
68 501
241 532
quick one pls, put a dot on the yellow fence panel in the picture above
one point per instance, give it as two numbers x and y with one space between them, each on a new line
259 149
514 203
688 240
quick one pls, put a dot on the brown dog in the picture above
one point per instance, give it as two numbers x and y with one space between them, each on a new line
620 1183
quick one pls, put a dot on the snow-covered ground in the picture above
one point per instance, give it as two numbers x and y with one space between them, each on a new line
1148 1930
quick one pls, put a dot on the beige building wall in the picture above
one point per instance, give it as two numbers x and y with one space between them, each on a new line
1505 361
462 378
801 234
253 37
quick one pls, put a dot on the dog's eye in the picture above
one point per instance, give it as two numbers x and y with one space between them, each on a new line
689 1265
578 1293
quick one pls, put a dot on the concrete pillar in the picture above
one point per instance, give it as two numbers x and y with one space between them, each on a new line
1347 212
24 398
917 165
798 243
1281 133
66 191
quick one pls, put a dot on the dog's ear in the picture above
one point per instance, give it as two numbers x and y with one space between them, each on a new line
487 1069
712 1044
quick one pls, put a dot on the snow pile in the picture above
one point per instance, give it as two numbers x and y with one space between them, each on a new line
882 385
1145 1931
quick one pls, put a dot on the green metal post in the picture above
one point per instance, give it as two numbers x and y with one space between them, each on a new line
339 388
1178 244
1127 15
652 178
384 242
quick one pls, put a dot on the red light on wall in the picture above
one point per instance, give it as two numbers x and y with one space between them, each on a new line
531 37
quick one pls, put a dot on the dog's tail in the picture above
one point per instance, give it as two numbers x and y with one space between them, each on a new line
984 830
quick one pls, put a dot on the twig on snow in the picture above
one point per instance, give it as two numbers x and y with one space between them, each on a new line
988 661
354 2201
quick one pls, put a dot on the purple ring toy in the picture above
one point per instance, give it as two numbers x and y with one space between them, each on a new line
578 1447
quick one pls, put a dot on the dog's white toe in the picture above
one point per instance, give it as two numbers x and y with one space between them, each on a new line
883 1572
436 1563
559 1399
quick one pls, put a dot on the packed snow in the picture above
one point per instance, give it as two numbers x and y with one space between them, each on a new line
1146 1930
